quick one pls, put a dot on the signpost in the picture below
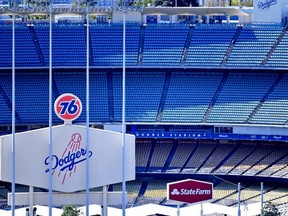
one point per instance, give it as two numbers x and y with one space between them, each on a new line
65 165
190 191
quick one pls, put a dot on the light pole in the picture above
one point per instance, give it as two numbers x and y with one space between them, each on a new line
87 109
124 9
13 110
50 109
125 6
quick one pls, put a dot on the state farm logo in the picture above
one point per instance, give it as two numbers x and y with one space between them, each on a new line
65 165
190 191
184 191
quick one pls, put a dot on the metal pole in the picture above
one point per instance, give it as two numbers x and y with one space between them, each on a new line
104 204
262 197
124 115
239 197
50 112
201 210
87 113
31 201
13 116
178 210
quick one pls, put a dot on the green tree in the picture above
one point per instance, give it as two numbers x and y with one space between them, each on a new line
70 210
270 209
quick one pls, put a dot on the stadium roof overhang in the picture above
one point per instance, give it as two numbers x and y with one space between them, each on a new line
203 11
56 11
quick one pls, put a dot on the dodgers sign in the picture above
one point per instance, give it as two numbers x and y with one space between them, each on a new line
68 107
66 163
262 5
190 191
69 157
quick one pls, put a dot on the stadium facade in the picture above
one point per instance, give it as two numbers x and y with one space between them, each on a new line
204 100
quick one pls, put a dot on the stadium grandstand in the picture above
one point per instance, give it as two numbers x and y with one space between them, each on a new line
206 90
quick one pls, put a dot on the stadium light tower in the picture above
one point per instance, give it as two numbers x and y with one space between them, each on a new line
125 6
124 198
12 5
87 108
50 108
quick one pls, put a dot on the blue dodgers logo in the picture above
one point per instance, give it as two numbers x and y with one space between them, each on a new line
266 4
71 156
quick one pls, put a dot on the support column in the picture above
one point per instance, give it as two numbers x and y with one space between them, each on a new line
144 20
104 203
262 197
178 210
228 19
239 198
31 201
201 210
199 18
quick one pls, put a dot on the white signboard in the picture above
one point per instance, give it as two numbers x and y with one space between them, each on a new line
68 158
268 11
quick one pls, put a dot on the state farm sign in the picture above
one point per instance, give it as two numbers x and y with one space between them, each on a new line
190 191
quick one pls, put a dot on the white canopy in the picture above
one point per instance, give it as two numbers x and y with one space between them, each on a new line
203 11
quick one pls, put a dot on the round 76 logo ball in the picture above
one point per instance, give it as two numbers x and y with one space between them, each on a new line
68 107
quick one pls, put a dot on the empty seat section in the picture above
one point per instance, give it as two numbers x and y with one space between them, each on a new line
252 46
274 110
68 43
277 168
240 95
25 51
267 161
250 160
189 96
107 44
218 155
99 108
182 153
160 154
31 95
143 95
209 45
142 152
280 55
6 45
164 44
5 114
239 155
200 155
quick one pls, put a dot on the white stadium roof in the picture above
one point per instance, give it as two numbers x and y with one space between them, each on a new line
203 11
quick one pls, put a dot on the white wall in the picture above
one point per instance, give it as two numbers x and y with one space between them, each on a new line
284 9
113 127
131 16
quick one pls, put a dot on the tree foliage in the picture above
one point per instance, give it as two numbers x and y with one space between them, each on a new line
70 210
270 210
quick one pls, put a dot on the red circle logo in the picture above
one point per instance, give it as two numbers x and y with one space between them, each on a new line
68 107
